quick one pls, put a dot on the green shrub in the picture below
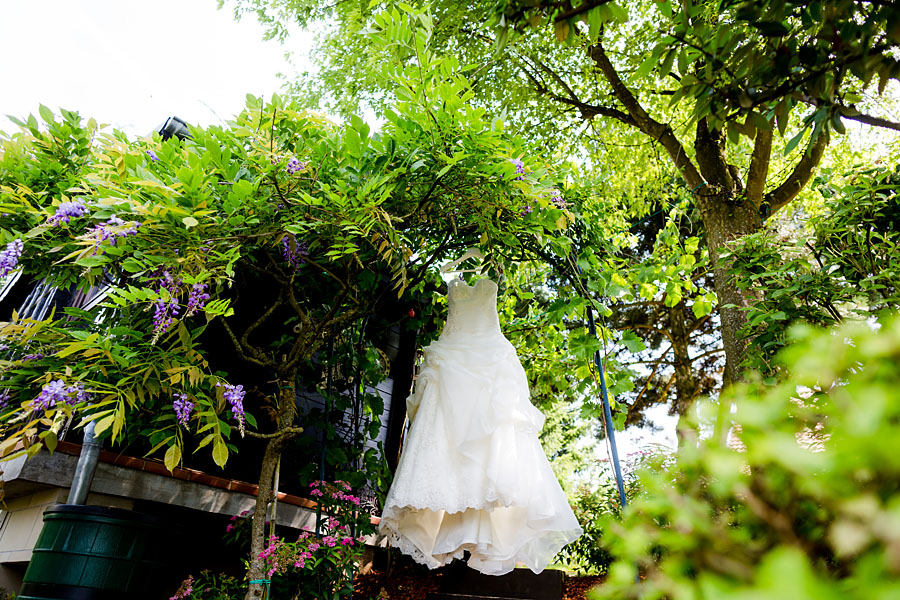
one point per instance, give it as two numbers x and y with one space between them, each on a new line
210 586
593 507
811 507
846 267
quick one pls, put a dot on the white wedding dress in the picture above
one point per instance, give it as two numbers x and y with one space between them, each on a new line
472 475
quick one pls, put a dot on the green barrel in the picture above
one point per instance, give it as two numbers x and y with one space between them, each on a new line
95 553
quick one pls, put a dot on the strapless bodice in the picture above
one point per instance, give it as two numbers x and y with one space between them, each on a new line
472 308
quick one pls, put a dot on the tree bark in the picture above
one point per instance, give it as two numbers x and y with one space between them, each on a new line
728 214
256 571
286 411
729 219
686 387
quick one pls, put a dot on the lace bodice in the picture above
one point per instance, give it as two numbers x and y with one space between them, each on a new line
473 308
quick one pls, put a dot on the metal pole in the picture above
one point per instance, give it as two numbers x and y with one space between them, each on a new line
322 457
273 515
607 414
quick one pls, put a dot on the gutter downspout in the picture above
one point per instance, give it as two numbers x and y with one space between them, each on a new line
87 464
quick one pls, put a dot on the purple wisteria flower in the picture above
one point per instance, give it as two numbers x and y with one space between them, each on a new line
183 408
5 398
66 211
57 392
165 309
294 165
234 394
294 251
9 258
152 155
520 168
557 199
196 299
527 209
114 228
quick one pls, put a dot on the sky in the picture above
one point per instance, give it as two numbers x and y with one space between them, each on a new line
133 64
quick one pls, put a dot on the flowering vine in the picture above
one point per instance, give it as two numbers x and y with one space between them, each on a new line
234 394
196 299
9 257
166 307
293 250
111 230
67 211
183 408
57 392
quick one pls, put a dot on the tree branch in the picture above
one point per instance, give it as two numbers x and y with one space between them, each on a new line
580 10
307 260
660 132
707 353
588 111
874 121
759 167
237 345
245 338
287 431
799 177
709 148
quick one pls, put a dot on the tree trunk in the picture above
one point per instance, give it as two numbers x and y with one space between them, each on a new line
285 432
686 387
726 221
258 522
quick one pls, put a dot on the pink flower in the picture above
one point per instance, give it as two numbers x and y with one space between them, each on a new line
347 541
330 541
314 546
229 528
317 493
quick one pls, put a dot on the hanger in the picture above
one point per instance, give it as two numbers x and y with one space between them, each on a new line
470 253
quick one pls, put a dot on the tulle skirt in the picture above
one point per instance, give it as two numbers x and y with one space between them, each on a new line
473 476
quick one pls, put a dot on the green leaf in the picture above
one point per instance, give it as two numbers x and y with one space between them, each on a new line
794 141
632 342
118 422
220 452
50 439
103 424
46 113
782 114
701 307
92 261
132 266
837 123
173 457
190 222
